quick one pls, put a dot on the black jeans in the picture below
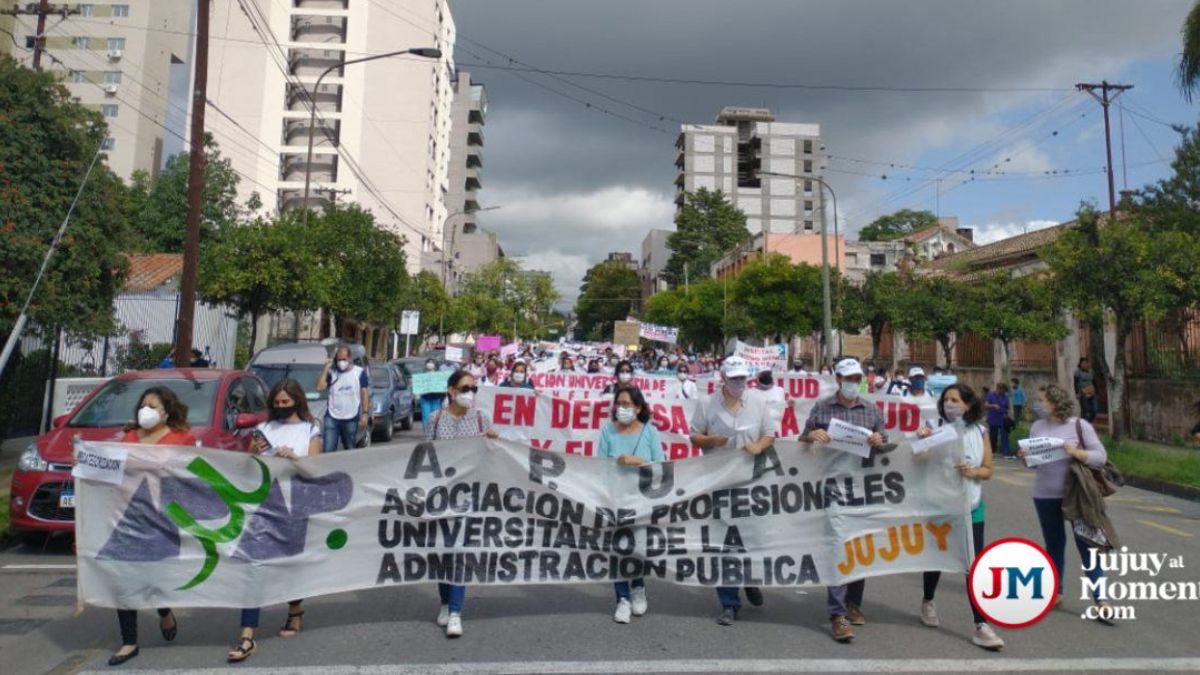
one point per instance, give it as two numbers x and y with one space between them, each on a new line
127 618
1087 408
932 578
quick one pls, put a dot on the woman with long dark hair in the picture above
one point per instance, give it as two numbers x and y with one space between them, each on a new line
960 407
160 418
290 432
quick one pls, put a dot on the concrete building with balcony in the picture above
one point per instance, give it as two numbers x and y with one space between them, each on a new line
731 155
383 128
127 60
467 247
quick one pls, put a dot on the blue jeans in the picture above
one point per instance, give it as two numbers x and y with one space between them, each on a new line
728 595
1054 532
429 405
1087 408
453 595
998 435
839 598
334 430
624 589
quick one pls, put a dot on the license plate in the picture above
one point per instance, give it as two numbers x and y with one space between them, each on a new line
66 499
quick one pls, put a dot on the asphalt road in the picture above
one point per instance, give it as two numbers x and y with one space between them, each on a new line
569 629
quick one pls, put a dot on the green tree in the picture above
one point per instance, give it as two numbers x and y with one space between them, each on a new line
701 312
932 308
262 267
897 225
1009 309
47 142
501 296
159 205
780 299
1189 62
871 305
705 229
610 292
427 295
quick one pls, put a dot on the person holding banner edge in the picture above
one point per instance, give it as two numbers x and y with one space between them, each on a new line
847 405
633 441
518 377
458 419
623 378
733 419
289 433
161 420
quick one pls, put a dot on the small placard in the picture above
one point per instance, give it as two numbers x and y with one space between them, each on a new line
1043 450
99 463
941 436
849 438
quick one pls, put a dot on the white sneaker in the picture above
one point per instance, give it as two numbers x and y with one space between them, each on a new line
443 616
929 615
624 611
454 626
639 601
986 637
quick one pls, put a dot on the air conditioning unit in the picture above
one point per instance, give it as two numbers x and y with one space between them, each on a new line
114 55
110 89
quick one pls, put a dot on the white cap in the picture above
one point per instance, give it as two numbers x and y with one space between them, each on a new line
848 368
735 366
916 371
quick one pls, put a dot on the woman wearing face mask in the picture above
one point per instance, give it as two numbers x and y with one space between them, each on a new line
161 420
684 387
290 433
961 407
664 366
1053 406
431 401
518 377
624 378
491 373
632 440
459 419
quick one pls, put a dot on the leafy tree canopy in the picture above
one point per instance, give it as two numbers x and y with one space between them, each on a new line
706 228
897 225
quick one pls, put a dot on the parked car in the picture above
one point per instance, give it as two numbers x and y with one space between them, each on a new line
303 362
391 401
223 405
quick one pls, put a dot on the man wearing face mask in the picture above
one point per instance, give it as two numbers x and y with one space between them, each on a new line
916 386
847 405
733 419
349 400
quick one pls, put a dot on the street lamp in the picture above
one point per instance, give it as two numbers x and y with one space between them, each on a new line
827 303
427 52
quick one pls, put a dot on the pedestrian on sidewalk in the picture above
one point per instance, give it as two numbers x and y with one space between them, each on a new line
160 419
960 407
998 419
1018 400
1085 390
633 441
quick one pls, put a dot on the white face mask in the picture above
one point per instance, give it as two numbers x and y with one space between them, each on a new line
626 415
954 411
465 399
683 376
429 367
343 364
849 390
148 418
624 377
735 387
518 378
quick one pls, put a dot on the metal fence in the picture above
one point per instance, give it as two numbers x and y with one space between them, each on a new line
1168 348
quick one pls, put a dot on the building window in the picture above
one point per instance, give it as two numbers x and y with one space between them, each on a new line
808 166
112 77
87 10
808 147
878 260
78 76
808 185
808 225
108 110
120 11
116 43
80 42
808 208
30 42
109 143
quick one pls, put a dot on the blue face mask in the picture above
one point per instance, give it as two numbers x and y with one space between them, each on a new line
918 383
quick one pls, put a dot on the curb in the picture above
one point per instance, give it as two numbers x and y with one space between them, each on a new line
1179 490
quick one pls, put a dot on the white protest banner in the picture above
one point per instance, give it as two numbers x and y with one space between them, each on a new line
454 354
583 385
940 436
1042 450
430 382
509 349
191 527
763 358
658 333
849 438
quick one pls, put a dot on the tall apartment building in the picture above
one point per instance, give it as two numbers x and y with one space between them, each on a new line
467 246
126 59
382 135
729 156
655 255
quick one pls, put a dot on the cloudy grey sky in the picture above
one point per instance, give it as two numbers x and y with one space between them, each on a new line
575 183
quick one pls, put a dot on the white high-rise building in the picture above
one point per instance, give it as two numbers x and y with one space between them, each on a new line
126 59
731 155
382 137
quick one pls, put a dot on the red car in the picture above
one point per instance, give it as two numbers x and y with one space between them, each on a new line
223 405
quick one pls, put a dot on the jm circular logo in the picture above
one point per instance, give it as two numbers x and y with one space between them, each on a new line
1013 583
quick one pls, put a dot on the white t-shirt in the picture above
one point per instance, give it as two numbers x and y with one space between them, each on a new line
345 387
294 435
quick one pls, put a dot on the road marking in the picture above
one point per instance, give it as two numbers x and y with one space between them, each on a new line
38 567
1157 509
1125 500
1010 481
1166 528
992 665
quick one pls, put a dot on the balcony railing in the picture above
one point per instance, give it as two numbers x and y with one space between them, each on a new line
319 29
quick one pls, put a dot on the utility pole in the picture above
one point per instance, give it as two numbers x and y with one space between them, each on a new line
1104 98
41 11
191 241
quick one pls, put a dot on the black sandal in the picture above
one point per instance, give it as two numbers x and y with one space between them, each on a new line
246 647
291 627
169 633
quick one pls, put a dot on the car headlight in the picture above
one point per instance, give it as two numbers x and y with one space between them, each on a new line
31 460
377 407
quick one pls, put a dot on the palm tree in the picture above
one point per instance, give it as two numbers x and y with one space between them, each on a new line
1189 63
